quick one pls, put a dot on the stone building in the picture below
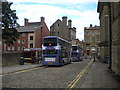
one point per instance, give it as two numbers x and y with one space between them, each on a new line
92 40
80 43
64 30
31 35
109 15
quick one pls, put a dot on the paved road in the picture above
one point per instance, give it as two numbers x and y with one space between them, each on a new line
84 74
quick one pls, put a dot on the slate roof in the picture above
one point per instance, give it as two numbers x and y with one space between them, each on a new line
30 27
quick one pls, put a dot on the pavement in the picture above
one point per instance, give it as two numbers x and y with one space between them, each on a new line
99 76
17 67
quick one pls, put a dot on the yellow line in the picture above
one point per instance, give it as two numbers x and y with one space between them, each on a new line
20 71
72 84
75 79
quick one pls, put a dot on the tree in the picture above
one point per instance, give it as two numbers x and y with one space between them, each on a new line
9 24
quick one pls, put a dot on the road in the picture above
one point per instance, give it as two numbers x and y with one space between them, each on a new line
67 76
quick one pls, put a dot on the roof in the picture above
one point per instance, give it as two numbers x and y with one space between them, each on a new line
30 27
92 28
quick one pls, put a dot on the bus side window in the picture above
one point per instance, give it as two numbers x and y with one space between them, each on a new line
64 54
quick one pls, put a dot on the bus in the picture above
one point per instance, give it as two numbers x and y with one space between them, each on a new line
76 53
55 51
30 55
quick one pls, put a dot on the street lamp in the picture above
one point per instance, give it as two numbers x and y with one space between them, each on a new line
109 40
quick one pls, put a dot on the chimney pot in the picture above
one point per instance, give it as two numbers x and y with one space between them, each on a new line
90 25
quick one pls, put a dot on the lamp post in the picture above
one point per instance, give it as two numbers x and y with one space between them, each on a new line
108 25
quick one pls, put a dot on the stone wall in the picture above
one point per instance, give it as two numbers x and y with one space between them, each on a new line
116 46
10 58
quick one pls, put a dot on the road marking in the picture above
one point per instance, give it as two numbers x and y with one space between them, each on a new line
78 77
20 71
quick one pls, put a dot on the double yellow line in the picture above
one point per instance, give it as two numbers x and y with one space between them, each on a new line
78 77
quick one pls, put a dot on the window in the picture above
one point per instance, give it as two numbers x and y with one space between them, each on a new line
23 34
93 48
31 45
23 48
98 39
18 48
31 37
93 39
50 51
23 41
87 33
9 48
58 25
98 33
87 40
87 48
18 41
13 48
58 33
93 33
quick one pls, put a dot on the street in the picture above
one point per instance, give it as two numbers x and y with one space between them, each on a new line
83 74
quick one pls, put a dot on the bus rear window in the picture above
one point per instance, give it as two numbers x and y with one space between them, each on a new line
50 42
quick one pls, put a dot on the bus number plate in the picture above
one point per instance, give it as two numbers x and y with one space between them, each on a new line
49 59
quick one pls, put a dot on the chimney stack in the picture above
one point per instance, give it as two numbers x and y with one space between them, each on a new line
42 19
64 19
70 23
25 21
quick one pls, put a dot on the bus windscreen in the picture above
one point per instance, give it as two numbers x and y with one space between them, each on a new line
74 48
50 42
50 51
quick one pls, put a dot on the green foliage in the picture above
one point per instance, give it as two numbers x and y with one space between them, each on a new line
9 23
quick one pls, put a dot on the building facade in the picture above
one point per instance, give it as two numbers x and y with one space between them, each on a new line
63 30
80 43
110 11
31 35
92 40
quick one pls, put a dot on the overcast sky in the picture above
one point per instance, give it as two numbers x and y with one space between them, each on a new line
81 12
